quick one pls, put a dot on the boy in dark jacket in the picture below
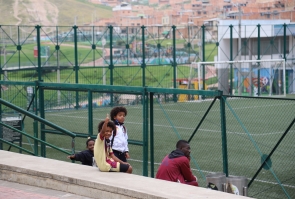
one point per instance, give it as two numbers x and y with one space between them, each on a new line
86 157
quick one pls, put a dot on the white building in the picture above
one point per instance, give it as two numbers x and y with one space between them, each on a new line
245 45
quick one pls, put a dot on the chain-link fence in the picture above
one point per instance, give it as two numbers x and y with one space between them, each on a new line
73 76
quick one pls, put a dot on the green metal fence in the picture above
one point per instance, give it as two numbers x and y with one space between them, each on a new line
73 76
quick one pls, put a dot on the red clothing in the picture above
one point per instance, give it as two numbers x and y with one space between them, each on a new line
174 169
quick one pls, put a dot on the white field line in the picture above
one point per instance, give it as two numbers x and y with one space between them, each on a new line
167 126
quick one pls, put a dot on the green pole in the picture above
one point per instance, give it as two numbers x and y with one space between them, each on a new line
231 59
258 58
143 65
42 115
285 42
18 48
152 133
203 57
127 47
90 114
111 66
41 92
223 134
76 68
35 126
285 57
1 127
174 64
145 133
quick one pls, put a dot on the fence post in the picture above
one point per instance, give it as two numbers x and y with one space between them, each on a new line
231 59
143 65
223 134
35 126
145 132
258 58
152 133
1 127
90 114
111 66
76 68
174 64
285 41
41 92
203 57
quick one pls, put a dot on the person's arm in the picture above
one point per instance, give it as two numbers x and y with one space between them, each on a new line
77 157
127 154
104 126
186 170
72 157
117 159
126 146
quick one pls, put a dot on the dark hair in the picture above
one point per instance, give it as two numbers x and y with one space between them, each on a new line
89 139
116 110
110 124
181 143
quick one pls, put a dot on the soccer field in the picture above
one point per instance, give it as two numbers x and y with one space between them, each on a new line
253 128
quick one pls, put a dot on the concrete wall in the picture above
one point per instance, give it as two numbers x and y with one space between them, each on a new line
89 182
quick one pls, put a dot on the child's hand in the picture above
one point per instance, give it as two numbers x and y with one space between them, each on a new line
126 163
107 118
127 155
71 156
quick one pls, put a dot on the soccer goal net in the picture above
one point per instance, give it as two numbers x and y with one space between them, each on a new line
242 78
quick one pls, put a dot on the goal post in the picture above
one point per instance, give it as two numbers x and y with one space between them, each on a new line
242 78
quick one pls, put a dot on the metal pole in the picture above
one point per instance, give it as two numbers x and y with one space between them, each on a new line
174 65
143 65
41 92
258 58
145 133
239 52
203 58
231 59
223 134
111 66
76 68
58 66
90 114
152 133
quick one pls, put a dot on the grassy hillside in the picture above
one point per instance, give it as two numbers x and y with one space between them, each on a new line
84 11
33 12
6 10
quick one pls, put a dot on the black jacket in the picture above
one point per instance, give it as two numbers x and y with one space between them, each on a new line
85 157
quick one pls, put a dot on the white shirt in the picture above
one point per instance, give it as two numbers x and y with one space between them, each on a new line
121 139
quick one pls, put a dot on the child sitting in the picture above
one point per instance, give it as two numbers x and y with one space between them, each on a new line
86 157
103 153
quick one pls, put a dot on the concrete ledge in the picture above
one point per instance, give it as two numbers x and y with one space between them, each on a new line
89 182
